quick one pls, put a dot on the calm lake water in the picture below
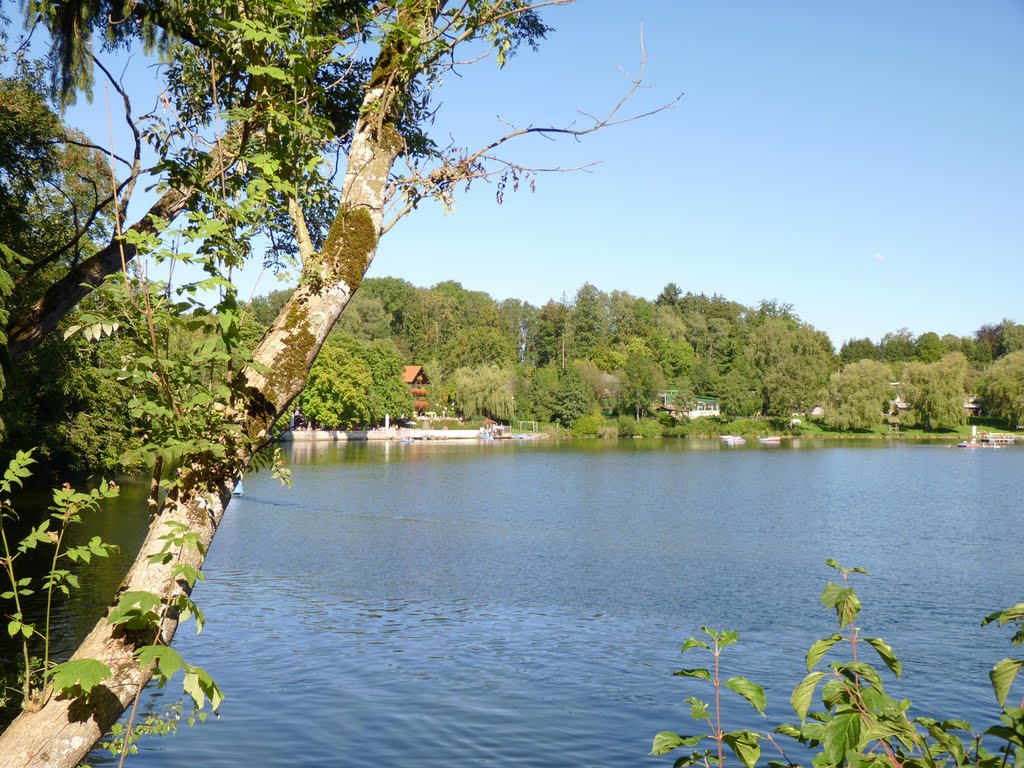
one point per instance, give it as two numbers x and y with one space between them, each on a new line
523 604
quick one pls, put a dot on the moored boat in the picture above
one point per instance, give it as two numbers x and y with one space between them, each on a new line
770 440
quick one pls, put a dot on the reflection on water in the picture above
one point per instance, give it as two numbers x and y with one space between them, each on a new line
524 603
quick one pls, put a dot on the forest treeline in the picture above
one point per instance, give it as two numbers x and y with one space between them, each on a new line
600 354
596 362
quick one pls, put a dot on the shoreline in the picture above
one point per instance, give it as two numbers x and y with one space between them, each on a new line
398 434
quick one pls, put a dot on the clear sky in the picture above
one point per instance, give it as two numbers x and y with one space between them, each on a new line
861 161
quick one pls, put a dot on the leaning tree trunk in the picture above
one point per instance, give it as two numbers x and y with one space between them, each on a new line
63 731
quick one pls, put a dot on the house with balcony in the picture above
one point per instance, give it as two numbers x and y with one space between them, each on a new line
416 378
695 408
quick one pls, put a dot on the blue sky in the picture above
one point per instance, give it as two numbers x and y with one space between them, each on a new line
862 161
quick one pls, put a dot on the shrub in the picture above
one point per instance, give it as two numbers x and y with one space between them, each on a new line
589 425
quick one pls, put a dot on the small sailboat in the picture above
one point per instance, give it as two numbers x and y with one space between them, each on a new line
239 489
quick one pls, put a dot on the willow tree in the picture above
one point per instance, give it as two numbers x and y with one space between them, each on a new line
281 128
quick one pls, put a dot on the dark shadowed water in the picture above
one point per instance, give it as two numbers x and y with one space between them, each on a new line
523 604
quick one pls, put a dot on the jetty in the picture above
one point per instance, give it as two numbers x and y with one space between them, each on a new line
395 434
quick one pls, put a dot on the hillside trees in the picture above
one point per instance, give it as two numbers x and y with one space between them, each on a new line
485 391
935 392
857 395
639 382
791 364
1002 388
337 392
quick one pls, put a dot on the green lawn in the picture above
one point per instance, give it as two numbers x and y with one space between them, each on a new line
984 424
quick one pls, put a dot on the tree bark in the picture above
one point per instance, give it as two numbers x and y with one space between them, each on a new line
63 731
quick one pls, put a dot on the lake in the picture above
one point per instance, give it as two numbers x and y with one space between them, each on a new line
523 603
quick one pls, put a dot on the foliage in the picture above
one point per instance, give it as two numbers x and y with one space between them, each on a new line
629 426
485 391
125 740
1002 389
68 509
857 395
388 394
860 723
574 399
337 393
588 425
935 392
791 364
640 381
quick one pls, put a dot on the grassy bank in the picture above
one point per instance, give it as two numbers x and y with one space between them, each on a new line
594 426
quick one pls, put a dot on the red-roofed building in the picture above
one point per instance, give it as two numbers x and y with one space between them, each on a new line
416 378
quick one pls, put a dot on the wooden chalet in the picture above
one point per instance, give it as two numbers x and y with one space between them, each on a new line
416 378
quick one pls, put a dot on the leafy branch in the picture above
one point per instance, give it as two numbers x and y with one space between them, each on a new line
859 724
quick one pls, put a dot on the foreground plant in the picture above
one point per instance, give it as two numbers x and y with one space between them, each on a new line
68 509
859 724
140 613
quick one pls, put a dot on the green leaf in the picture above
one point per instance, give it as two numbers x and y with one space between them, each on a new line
85 674
956 725
819 649
1002 676
698 708
1013 613
727 638
692 642
858 669
666 741
786 729
168 661
199 685
702 673
803 693
750 691
843 600
136 610
744 745
842 735
884 651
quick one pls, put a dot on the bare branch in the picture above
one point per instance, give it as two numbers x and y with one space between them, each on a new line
136 165
457 166
87 145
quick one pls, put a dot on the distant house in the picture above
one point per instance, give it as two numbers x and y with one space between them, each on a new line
703 406
972 405
416 378
695 409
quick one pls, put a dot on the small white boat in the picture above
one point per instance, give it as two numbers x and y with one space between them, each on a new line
239 490
770 440
733 440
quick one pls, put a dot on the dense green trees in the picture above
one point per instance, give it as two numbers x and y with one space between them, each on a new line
1002 388
858 395
791 364
935 392
485 391
626 350
337 393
